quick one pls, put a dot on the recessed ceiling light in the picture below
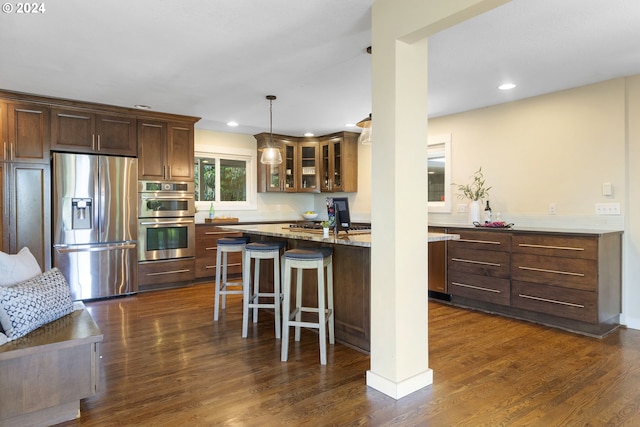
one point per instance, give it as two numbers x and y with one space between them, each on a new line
142 107
232 124
308 134
506 86
350 125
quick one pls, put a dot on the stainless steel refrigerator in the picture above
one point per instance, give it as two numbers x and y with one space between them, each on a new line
95 231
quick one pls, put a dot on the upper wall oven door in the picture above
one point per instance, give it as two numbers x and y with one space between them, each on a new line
165 199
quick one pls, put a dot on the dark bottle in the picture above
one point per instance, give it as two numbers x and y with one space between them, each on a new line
487 213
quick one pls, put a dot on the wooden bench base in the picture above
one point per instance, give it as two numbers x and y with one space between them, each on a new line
45 373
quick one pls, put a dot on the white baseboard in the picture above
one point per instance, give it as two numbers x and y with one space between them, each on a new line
398 390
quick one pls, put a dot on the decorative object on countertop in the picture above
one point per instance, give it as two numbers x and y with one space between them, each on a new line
271 155
212 212
487 213
325 229
310 215
494 224
475 192
222 219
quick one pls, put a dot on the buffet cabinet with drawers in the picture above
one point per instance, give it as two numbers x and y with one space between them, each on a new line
570 280
207 236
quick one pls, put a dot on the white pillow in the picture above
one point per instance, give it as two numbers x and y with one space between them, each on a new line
18 268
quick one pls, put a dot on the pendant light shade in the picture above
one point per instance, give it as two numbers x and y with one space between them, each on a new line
365 135
271 154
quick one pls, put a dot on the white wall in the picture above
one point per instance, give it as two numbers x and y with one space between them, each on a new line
631 255
556 148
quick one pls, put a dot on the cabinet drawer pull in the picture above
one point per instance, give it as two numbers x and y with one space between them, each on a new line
570 304
469 261
161 273
542 270
564 248
480 288
210 233
488 242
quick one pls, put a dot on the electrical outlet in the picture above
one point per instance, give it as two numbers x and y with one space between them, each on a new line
553 208
462 208
607 208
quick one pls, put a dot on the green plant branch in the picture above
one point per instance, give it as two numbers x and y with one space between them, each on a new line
476 190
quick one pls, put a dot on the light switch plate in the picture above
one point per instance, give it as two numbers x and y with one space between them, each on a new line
462 208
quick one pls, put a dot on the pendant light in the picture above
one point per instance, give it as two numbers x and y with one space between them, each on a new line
271 154
365 135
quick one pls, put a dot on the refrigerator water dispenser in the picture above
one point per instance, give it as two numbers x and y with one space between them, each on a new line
81 214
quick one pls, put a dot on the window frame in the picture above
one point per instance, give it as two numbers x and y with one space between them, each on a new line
238 154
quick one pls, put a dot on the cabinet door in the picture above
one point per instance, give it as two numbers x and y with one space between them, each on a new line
326 162
437 260
180 152
4 203
73 130
29 210
290 167
116 134
339 163
152 152
282 177
4 154
308 166
28 133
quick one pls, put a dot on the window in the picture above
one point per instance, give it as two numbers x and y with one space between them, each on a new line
439 173
224 179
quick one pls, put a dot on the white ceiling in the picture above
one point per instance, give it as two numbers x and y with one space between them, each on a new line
218 59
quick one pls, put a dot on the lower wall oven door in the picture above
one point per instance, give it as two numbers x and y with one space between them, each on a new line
166 238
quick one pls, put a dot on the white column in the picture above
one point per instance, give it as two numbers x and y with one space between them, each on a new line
399 339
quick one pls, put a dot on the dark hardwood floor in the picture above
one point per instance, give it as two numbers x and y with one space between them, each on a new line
166 363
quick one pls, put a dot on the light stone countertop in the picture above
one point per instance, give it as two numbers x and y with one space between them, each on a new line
355 238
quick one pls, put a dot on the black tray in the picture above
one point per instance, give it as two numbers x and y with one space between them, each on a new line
478 225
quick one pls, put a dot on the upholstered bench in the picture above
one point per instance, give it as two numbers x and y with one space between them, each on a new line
48 352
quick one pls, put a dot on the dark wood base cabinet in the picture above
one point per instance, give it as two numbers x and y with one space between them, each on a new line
207 236
153 275
570 280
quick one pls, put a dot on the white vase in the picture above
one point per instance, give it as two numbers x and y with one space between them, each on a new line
474 211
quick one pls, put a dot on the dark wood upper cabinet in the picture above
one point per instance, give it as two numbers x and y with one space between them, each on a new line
282 177
25 132
165 151
93 132
339 162
310 165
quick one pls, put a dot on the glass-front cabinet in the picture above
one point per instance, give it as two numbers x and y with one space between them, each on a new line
339 162
311 165
278 178
308 177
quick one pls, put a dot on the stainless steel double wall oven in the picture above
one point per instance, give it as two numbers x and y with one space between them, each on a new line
166 224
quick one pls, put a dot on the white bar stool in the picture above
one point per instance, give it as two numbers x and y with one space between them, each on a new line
317 258
252 299
225 246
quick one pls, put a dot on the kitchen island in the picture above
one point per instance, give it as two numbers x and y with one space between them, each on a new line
351 272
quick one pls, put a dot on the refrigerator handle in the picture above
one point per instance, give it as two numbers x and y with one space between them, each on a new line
97 248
